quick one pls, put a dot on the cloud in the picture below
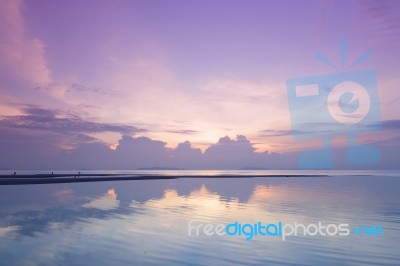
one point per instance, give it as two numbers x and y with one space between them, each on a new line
21 56
187 156
22 150
234 154
391 124
183 131
38 118
36 139
306 131
276 133
393 141
142 152
78 94
130 153
96 90
386 125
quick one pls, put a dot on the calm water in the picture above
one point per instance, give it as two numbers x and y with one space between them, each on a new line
146 222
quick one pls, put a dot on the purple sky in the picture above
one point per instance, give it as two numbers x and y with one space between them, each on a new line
77 76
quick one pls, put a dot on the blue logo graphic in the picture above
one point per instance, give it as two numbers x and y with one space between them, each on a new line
368 231
338 104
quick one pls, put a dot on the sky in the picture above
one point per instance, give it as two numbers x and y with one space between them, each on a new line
185 84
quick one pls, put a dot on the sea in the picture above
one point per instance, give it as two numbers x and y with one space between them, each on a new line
341 218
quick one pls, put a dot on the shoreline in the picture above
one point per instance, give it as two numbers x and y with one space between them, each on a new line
68 178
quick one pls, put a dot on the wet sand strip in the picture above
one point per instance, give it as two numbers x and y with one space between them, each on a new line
55 175
46 179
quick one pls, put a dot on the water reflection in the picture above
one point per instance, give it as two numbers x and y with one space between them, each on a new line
106 202
145 222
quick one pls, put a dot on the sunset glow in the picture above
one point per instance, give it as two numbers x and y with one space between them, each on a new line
76 75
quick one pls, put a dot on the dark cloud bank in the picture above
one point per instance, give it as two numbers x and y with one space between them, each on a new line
37 140
142 152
